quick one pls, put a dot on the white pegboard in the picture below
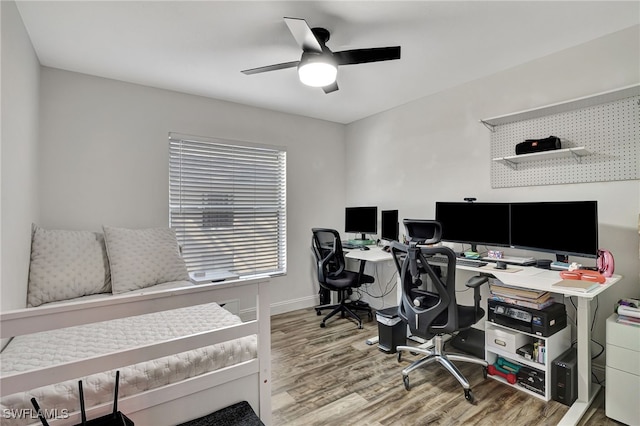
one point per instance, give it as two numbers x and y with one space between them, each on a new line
610 132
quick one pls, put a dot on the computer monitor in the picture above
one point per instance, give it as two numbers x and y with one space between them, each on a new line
389 225
361 220
564 228
474 223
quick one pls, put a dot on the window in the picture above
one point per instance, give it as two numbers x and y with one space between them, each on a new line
227 204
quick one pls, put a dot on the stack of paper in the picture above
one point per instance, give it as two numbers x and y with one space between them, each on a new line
533 299
628 311
576 285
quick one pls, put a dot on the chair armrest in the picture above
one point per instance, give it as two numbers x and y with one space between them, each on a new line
476 281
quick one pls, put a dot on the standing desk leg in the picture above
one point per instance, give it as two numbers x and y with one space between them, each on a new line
372 340
587 391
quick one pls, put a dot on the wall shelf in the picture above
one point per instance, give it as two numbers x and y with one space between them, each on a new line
513 160
570 105
600 131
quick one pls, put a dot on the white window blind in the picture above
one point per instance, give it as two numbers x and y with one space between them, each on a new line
227 204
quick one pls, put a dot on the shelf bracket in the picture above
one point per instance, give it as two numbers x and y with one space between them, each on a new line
576 157
491 127
510 163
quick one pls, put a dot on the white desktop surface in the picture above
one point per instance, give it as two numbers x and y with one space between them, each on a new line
374 254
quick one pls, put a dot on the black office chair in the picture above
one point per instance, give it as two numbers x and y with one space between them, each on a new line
432 313
333 276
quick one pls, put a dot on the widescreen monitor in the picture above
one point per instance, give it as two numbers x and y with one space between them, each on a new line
389 230
361 220
564 228
474 223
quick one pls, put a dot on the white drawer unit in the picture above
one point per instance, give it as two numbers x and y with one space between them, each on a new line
622 372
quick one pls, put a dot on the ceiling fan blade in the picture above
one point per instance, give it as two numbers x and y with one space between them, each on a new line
331 88
271 68
361 56
303 35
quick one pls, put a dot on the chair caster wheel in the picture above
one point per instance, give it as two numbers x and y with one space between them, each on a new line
360 327
405 380
322 325
399 356
484 372
468 395
318 313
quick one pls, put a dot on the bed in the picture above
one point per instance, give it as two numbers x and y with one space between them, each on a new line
179 353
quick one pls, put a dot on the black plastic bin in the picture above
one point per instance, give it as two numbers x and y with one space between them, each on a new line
392 331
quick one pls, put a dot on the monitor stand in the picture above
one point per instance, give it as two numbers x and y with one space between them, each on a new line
472 253
362 241
561 263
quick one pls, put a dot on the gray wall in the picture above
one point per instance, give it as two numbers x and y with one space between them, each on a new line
104 160
19 155
434 149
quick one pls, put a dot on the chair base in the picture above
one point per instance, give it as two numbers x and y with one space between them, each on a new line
436 354
346 310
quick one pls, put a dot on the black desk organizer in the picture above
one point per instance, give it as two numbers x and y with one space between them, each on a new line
115 418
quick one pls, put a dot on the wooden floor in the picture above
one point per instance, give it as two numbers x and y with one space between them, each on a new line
330 376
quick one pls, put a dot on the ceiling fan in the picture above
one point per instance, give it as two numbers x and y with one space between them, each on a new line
318 66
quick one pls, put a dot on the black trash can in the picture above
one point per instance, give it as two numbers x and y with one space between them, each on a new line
392 331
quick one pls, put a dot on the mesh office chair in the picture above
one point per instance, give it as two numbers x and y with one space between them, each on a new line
333 276
434 312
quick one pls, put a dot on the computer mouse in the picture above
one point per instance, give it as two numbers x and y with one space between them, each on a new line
500 265
364 248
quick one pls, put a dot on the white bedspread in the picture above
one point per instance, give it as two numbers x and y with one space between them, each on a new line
63 345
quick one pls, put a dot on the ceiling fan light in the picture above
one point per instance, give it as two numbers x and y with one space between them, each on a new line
317 73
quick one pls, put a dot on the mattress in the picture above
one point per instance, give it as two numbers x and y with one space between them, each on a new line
50 348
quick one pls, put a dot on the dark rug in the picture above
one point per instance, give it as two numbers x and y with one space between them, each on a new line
240 414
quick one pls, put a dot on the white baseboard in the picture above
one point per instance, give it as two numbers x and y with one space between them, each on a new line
294 304
284 307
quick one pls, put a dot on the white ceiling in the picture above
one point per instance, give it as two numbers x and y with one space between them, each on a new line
200 47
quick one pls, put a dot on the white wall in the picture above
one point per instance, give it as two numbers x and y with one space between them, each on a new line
434 149
104 160
19 159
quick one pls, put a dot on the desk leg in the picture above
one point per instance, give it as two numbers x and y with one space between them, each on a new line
587 391
371 340
361 270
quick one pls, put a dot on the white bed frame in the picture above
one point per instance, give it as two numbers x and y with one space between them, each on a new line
172 404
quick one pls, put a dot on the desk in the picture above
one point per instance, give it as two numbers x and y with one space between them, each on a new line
542 279
539 279
374 254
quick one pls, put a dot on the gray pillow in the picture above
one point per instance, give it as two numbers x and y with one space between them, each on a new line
141 258
65 265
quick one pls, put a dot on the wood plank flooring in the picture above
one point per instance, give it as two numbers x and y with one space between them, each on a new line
330 376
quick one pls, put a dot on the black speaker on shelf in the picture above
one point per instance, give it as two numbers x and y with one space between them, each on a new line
538 145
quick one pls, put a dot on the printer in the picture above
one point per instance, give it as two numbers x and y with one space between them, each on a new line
541 322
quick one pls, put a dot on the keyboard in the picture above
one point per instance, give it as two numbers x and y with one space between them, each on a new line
441 260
